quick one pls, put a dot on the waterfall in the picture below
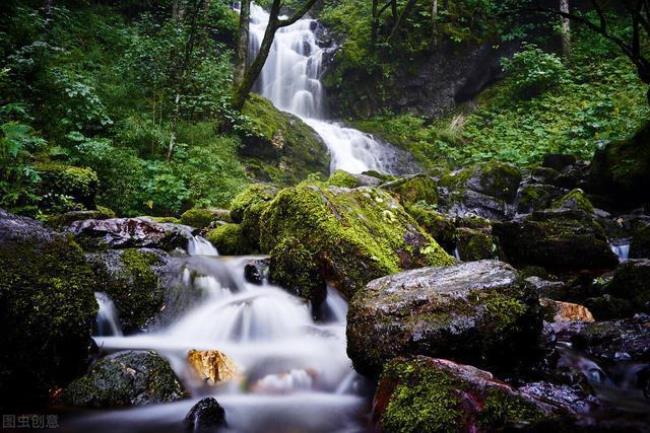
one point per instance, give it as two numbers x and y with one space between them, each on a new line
107 322
290 79
199 246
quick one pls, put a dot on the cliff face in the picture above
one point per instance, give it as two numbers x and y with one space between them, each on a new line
430 85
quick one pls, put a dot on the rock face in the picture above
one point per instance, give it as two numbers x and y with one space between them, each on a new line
557 240
130 233
125 379
425 395
47 309
347 236
205 416
212 366
476 311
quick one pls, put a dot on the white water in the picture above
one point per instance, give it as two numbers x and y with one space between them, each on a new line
622 250
107 321
296 376
290 79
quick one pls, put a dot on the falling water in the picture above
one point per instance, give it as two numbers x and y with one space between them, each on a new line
290 79
296 375
107 322
621 249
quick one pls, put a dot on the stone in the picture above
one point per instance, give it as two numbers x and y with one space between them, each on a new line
205 416
125 379
558 161
212 366
574 200
533 197
546 288
202 217
130 233
631 281
230 240
474 244
566 311
440 226
475 311
414 189
256 271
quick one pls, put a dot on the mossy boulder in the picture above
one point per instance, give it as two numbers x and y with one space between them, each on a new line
608 307
201 217
608 340
62 220
125 379
281 148
621 170
247 207
575 200
230 240
129 278
473 244
440 226
558 240
414 189
344 179
58 179
632 282
354 235
47 311
294 268
477 311
532 197
426 395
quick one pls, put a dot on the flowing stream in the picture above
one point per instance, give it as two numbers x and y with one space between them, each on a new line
295 373
291 80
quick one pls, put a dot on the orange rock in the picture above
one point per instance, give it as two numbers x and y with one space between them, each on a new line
566 311
212 366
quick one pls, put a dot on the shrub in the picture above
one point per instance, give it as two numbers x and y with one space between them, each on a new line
533 71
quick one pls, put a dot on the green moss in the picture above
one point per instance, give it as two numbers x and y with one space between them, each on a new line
475 244
357 235
229 239
201 218
247 207
574 199
632 282
440 226
80 183
165 219
411 190
343 179
502 409
281 147
535 197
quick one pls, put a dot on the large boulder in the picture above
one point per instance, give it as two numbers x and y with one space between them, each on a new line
425 395
414 189
621 170
47 310
230 240
202 217
125 379
130 233
561 239
536 196
350 236
476 311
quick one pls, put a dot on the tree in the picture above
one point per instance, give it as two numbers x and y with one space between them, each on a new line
566 28
636 11
246 73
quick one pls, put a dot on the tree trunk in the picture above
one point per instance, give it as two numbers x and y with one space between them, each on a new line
405 13
242 42
566 28
375 23
434 21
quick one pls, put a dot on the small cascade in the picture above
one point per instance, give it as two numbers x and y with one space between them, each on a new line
290 79
107 321
621 249
199 246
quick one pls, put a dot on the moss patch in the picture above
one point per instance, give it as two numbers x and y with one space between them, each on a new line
343 179
229 239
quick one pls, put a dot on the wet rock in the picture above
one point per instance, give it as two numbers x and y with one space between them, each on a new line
558 311
47 309
231 240
557 240
246 210
436 395
475 244
558 161
256 271
205 416
440 226
477 311
125 379
546 288
631 281
534 197
212 366
130 233
627 339
345 236
571 399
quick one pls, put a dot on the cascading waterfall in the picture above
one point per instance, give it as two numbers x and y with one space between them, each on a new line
290 79
107 321
296 375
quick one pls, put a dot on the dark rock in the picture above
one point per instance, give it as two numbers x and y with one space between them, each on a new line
476 311
435 395
640 244
125 379
574 200
608 307
63 220
532 197
571 399
440 226
47 310
475 244
544 175
256 271
130 233
548 289
205 416
559 161
627 339
556 240
632 282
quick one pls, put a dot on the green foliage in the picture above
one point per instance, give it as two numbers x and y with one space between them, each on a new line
533 71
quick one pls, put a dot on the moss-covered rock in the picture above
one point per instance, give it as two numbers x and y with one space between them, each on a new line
201 218
281 147
80 183
535 196
475 244
640 244
47 311
556 240
247 207
609 339
632 282
440 226
128 277
476 311
574 200
343 179
354 235
414 189
294 268
125 379
621 170
607 307
62 220
230 240
425 395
